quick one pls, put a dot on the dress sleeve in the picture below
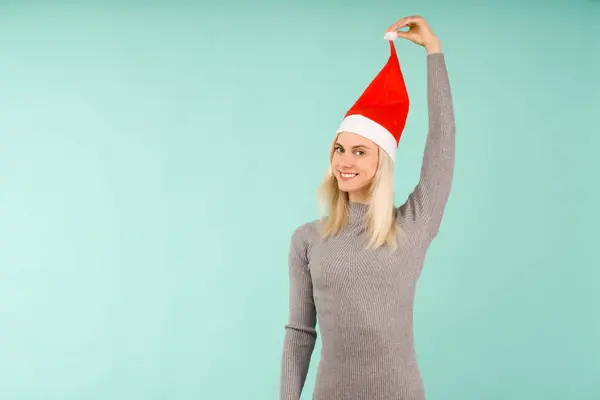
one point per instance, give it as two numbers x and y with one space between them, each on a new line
425 205
300 332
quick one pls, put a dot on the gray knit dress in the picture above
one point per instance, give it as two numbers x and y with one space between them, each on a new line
364 298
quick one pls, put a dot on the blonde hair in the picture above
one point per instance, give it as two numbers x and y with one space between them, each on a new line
381 218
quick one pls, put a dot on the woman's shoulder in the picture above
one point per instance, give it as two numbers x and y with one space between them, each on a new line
303 239
306 230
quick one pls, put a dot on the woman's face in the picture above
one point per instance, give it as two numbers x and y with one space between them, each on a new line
354 162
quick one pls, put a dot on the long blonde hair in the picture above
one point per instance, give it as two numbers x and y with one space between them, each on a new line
381 218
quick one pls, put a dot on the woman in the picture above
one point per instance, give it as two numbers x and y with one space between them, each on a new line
357 269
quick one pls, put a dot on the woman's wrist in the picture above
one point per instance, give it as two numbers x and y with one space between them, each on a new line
434 47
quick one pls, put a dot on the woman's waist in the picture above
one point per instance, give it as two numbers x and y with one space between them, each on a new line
364 342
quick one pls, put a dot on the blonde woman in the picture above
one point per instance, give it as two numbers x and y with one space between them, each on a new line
356 269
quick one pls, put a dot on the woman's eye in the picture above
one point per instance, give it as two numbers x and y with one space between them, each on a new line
360 151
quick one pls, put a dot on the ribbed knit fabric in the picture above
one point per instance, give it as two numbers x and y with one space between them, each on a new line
363 297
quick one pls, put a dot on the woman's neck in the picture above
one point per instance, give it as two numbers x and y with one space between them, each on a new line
359 197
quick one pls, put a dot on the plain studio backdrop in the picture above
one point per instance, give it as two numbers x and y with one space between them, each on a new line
155 158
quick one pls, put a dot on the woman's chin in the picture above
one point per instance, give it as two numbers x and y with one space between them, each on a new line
349 187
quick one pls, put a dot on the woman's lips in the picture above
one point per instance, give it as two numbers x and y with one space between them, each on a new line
347 176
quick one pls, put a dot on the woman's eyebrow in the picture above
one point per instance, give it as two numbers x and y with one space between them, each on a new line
355 147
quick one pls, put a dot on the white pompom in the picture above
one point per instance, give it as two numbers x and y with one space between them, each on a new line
391 35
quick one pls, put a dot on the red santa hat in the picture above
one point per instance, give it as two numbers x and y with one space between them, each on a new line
380 112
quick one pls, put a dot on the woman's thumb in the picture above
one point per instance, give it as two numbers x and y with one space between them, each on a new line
405 35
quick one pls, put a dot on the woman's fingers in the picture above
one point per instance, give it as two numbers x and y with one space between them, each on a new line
396 25
405 35
406 21
419 32
411 22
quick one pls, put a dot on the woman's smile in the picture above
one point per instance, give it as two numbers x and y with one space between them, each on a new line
348 176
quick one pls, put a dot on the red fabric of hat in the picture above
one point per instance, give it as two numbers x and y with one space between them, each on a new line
381 111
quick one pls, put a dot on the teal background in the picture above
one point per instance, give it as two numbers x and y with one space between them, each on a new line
155 158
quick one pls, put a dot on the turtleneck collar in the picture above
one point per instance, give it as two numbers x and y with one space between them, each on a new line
357 212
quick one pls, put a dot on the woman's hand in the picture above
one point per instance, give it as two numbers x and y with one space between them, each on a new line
418 32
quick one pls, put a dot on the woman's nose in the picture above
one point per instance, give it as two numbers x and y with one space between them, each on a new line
346 160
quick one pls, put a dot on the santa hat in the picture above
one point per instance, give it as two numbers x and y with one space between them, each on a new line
380 112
